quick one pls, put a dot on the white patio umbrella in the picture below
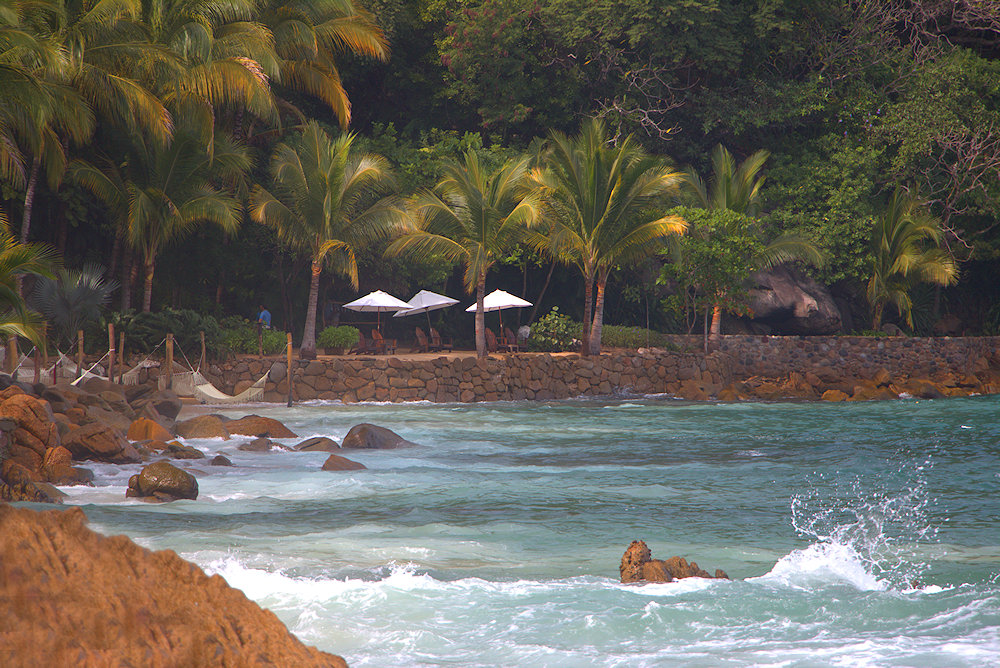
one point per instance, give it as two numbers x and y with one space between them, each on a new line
425 301
498 300
377 301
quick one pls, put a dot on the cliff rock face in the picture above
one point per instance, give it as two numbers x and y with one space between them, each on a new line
75 598
791 302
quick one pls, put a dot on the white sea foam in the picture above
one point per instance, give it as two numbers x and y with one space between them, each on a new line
823 563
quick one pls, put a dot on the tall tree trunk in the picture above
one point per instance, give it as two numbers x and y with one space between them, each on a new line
147 290
481 317
588 300
307 350
545 286
595 332
716 333
128 278
29 203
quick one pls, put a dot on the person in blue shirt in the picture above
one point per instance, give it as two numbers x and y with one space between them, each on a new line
264 318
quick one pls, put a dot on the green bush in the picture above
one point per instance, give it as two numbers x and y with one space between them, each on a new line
145 331
343 336
617 336
240 337
554 332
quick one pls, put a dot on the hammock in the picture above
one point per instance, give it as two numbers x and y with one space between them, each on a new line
193 384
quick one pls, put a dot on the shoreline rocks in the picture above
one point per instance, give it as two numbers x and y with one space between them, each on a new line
637 565
162 481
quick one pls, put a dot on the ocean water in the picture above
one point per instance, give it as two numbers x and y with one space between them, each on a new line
855 534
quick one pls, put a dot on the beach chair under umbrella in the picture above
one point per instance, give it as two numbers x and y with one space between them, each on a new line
378 302
498 300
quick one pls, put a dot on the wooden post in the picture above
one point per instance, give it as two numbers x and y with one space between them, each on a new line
260 340
288 360
111 352
79 353
11 355
201 362
170 361
38 366
45 344
121 357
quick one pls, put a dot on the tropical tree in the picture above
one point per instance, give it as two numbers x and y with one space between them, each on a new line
906 250
736 190
308 37
17 259
163 191
72 298
325 202
474 215
602 200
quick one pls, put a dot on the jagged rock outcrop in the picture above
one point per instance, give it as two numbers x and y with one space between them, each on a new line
338 463
203 426
144 428
76 598
372 437
790 302
162 481
100 442
637 565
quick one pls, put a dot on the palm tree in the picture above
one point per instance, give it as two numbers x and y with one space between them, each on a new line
736 189
601 199
17 259
324 202
309 34
73 297
163 191
906 250
475 216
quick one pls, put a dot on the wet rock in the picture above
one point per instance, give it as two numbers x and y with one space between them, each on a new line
338 463
162 481
203 426
261 444
637 565
77 598
176 450
220 460
102 443
144 429
372 437
834 395
255 425
318 444
34 427
18 484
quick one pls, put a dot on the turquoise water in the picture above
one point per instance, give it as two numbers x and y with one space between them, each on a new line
861 534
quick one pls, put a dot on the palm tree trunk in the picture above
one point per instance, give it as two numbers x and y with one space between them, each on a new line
877 317
588 300
716 333
307 350
481 317
147 290
545 286
595 332
128 275
29 202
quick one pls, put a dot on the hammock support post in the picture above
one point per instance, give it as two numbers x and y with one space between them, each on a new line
11 354
111 352
38 367
121 357
170 361
288 357
201 362
79 353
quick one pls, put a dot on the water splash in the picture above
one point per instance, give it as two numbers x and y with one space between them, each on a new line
880 521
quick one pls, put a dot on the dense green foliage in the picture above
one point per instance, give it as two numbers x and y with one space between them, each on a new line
343 336
126 126
239 336
554 332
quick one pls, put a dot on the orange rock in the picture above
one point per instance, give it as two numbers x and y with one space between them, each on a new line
834 395
76 598
144 429
255 425
338 463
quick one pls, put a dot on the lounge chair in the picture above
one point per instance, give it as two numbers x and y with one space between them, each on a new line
508 339
382 346
422 345
363 347
491 341
437 343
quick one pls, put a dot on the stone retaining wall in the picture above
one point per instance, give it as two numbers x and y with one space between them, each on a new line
836 361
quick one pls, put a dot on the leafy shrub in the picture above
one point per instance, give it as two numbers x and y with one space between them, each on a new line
144 331
617 336
554 332
343 336
240 337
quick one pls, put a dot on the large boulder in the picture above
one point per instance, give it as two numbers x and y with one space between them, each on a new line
18 484
162 481
57 468
31 427
143 429
637 565
73 597
261 444
338 463
318 444
372 437
790 302
176 450
255 425
102 443
202 426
